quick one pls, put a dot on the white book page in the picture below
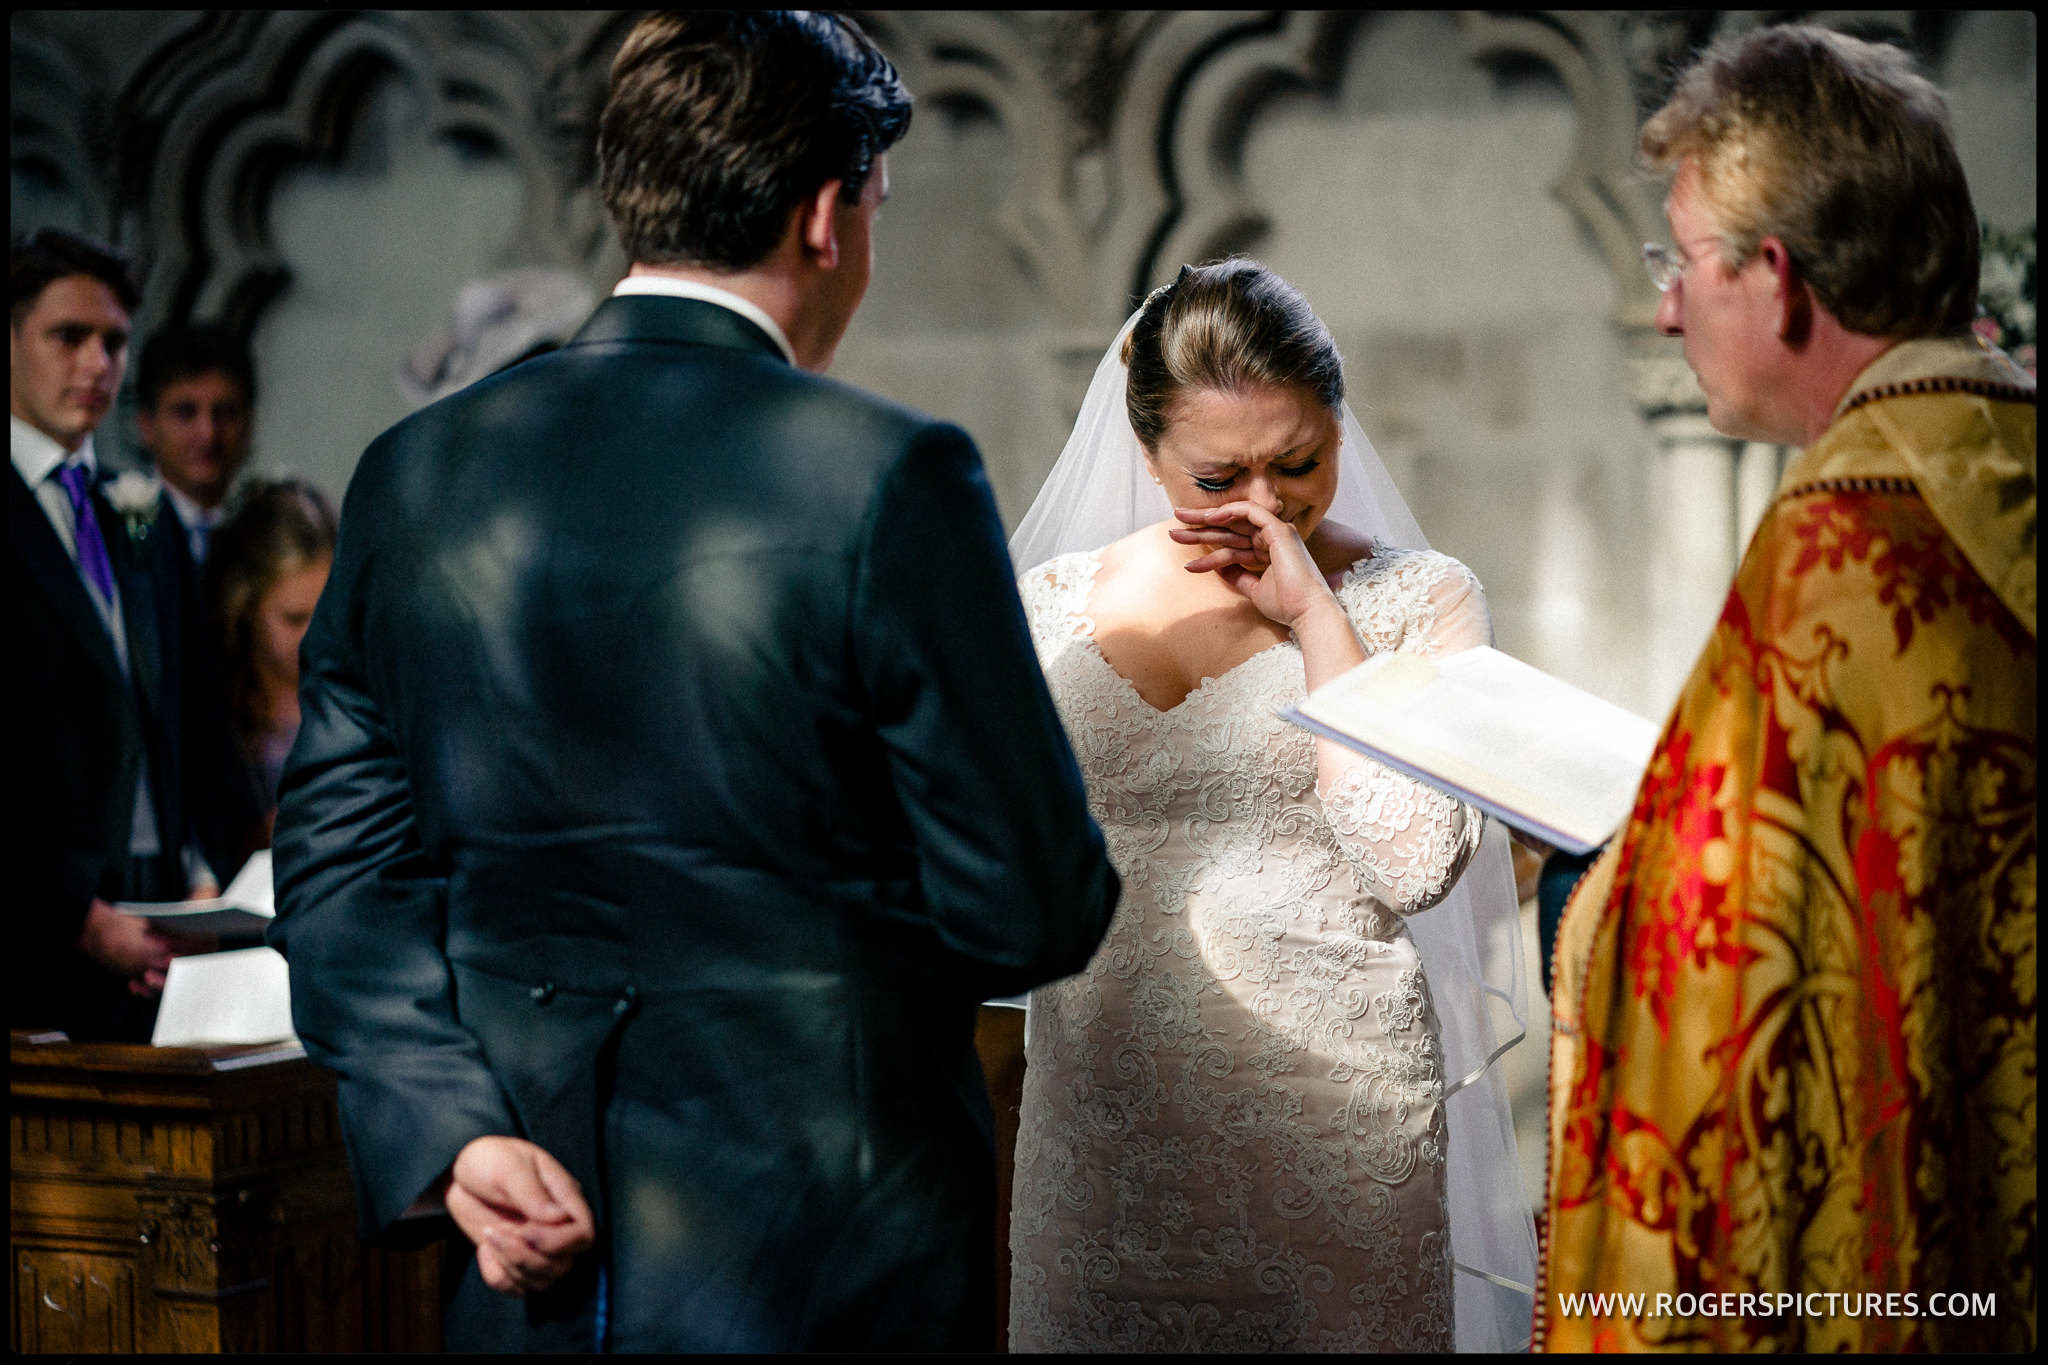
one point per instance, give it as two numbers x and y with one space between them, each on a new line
251 889
1494 729
211 999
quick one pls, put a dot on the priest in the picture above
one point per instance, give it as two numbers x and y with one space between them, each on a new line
1793 1061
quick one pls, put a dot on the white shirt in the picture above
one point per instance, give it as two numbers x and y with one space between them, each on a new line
199 521
37 458
705 293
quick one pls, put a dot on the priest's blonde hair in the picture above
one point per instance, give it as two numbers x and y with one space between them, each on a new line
1842 151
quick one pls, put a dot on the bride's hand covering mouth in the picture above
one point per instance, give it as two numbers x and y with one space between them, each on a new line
1260 555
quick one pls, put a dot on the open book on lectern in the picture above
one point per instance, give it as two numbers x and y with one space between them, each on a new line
246 907
1531 750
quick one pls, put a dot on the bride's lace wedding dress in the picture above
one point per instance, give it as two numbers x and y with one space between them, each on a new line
1232 1134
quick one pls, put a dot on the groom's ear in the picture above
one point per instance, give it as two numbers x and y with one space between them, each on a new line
817 225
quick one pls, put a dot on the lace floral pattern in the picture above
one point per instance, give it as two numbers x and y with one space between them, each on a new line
1232 1134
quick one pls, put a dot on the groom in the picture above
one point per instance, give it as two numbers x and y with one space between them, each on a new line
676 774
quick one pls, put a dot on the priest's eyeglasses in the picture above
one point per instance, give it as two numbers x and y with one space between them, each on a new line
1665 264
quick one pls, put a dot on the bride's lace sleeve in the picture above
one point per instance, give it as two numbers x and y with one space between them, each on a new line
1049 593
1408 842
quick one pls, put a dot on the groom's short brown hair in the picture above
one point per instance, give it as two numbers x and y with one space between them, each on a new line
720 122
1842 151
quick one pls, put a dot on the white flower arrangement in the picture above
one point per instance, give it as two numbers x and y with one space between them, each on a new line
2005 293
136 496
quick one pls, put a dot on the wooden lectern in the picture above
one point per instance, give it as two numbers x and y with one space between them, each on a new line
194 1199
198 1199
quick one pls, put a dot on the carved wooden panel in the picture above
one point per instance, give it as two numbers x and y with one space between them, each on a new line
67 1301
402 1295
194 1200
319 1288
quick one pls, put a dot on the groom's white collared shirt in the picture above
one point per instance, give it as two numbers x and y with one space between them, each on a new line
706 293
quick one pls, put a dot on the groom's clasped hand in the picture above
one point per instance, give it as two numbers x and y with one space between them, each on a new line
523 1210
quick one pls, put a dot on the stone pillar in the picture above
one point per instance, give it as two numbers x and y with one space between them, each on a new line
1756 482
1694 513
1695 543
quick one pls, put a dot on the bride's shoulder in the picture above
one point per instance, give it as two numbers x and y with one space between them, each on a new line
1415 599
1390 571
1145 548
1145 553
1058 565
1050 583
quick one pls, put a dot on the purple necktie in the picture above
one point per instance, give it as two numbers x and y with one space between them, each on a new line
92 549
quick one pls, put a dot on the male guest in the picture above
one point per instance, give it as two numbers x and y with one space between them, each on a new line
97 808
1794 1067
675 774
196 389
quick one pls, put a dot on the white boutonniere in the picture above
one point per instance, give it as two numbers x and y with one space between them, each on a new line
136 496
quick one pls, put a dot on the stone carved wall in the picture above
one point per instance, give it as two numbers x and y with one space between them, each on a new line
1061 165
214 119
58 139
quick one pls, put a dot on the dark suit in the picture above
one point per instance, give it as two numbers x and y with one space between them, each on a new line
674 777
222 788
78 728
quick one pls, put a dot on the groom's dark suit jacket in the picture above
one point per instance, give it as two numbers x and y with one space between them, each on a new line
675 775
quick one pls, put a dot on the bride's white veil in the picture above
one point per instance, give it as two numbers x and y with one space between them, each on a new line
1471 942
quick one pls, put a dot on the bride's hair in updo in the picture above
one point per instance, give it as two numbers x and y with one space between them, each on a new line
1228 326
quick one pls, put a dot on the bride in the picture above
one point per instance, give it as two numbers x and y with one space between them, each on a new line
1263 1118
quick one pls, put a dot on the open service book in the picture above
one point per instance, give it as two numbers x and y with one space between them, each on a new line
245 907
1529 749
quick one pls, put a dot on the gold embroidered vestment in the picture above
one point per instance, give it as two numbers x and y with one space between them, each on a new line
1794 1030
